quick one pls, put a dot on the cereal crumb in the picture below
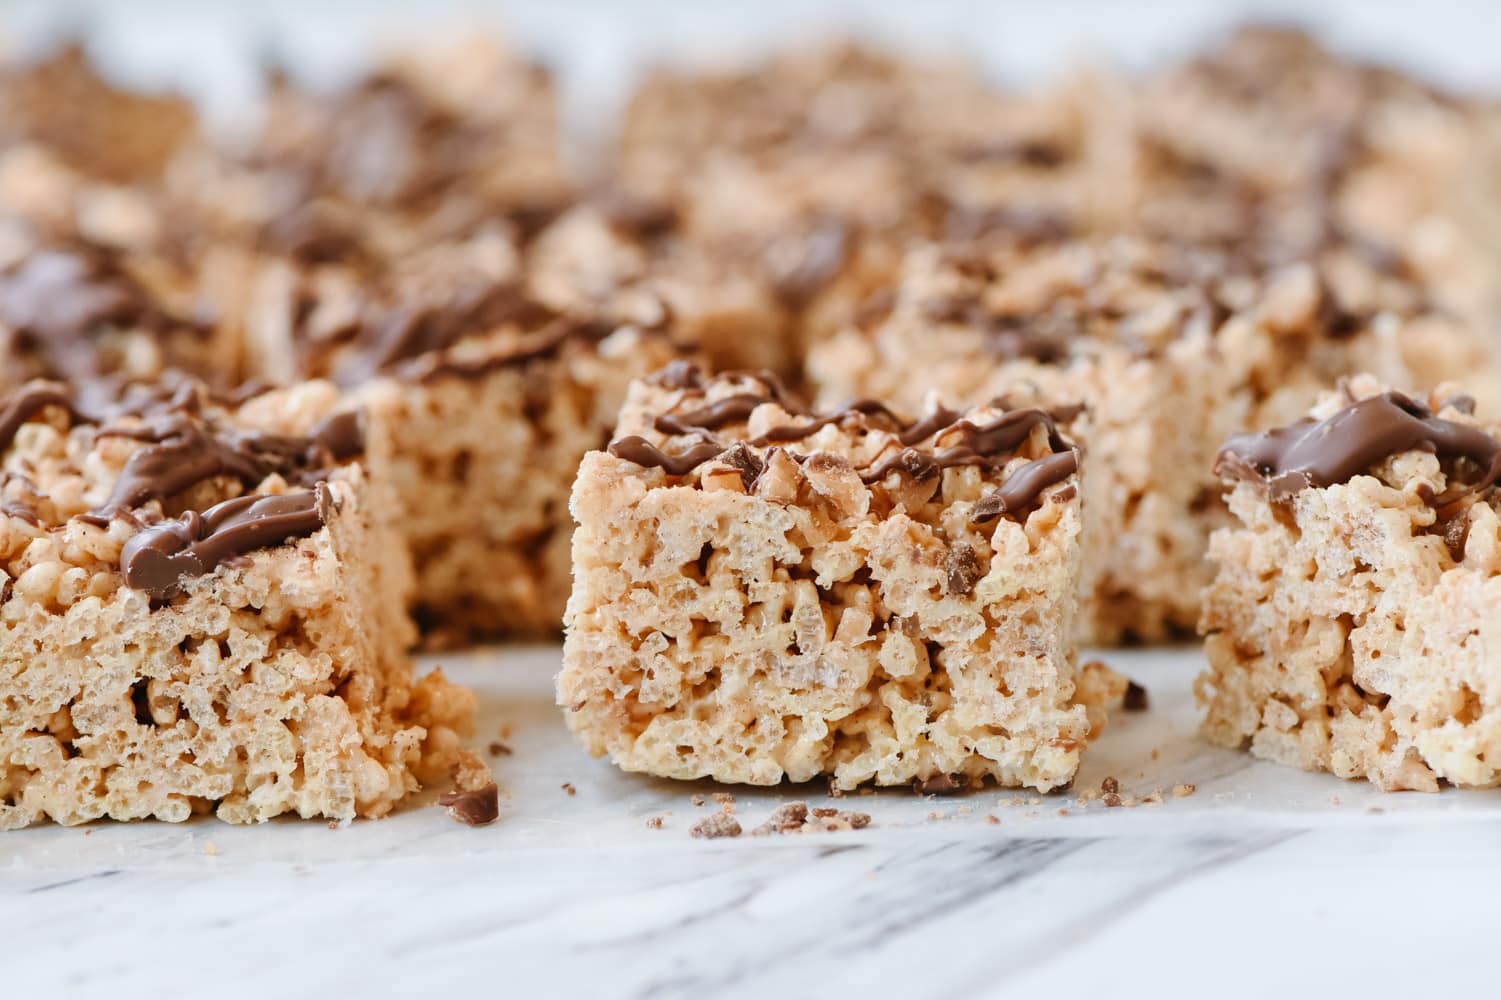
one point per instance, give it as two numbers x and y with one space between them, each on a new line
1110 785
1062 812
1112 800
568 787
210 848
1184 790
698 800
499 749
654 822
993 819
724 798
936 815
796 817
716 825
1154 753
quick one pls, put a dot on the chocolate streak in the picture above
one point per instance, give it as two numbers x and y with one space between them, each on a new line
1022 488
24 405
1316 454
985 445
160 557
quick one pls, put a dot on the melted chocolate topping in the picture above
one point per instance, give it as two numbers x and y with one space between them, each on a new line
1022 488
160 557
987 445
58 299
642 452
182 447
1316 454
23 407
977 445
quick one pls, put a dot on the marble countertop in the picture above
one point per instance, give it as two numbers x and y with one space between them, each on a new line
1263 880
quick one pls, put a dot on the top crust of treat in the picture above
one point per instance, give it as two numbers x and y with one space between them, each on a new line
748 425
166 479
1359 437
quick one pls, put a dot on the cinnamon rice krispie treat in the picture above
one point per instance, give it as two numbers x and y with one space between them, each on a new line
1350 623
490 400
1168 348
762 592
201 616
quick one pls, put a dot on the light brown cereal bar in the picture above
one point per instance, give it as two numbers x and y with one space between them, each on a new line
762 592
1169 349
202 616
1349 623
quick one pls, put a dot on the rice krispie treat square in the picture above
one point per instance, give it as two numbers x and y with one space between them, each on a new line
490 400
1272 138
1169 349
762 592
1350 623
202 616
812 170
85 313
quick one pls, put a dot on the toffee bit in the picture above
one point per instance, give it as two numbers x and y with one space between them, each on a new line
716 825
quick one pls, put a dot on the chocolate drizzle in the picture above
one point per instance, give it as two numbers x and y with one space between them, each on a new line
182 446
58 300
639 451
956 442
1316 454
983 445
157 559
24 406
1022 487
183 451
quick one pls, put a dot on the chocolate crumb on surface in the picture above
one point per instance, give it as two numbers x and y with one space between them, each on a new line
476 808
568 787
1136 699
499 749
715 826
941 784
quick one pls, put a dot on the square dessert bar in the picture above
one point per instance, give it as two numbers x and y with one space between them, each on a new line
1170 348
489 399
1352 623
762 592
198 614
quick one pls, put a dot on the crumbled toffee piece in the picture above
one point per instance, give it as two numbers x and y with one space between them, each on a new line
269 588
747 642
796 817
1349 620
476 808
716 825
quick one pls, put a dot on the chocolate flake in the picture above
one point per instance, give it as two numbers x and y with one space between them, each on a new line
476 808
941 784
963 569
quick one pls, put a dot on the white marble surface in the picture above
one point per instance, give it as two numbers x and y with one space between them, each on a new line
1265 880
